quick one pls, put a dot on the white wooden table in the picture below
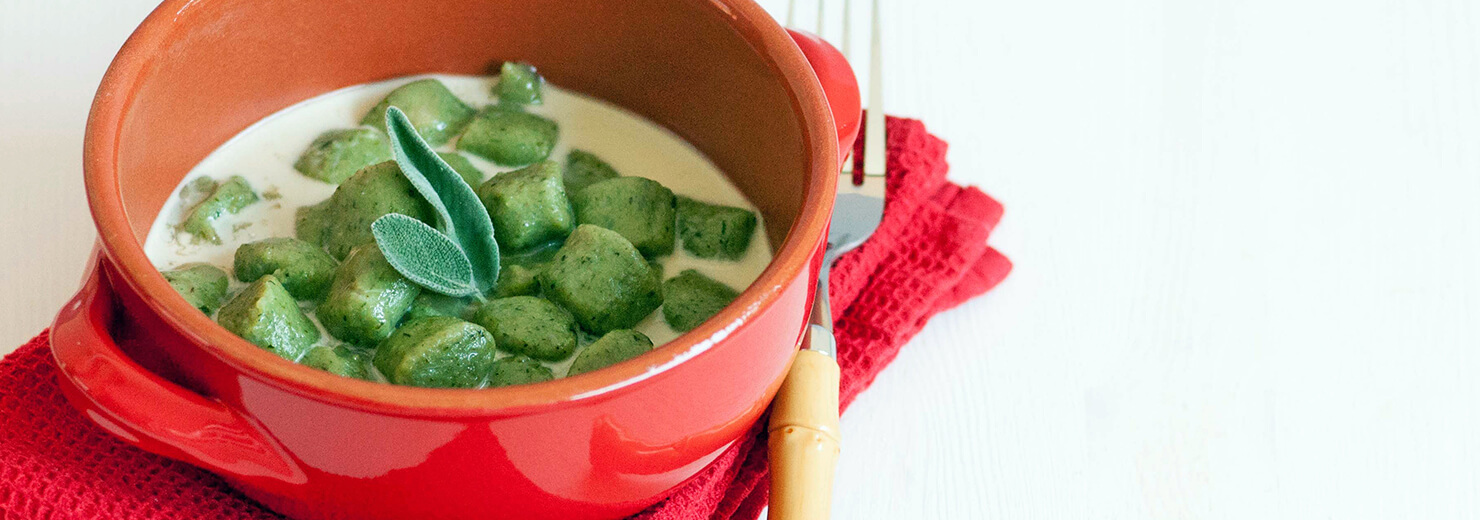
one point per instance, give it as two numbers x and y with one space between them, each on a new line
1247 237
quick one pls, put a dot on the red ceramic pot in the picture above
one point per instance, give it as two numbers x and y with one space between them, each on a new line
144 365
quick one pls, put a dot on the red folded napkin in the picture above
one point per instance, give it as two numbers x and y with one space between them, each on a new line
928 255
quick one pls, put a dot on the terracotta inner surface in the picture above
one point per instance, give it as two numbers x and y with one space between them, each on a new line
676 63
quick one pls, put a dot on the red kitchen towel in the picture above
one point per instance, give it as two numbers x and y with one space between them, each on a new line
928 255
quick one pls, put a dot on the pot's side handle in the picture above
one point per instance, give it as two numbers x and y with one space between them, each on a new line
839 84
146 410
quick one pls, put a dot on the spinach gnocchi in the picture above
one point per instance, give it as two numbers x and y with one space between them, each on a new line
590 205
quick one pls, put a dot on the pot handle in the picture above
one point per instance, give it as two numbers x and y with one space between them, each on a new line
146 410
839 84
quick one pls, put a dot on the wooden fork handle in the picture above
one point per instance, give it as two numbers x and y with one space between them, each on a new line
804 437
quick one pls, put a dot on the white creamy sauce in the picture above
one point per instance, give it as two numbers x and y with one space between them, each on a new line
265 152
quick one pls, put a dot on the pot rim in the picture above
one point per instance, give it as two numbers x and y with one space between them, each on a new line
100 151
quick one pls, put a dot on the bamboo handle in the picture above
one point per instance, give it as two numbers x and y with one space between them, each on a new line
804 439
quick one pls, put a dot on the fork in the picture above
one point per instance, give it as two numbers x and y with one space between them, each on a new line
804 432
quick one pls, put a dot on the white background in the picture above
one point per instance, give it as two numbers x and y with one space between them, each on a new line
1247 237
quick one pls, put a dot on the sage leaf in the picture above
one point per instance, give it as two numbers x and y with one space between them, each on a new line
460 215
424 255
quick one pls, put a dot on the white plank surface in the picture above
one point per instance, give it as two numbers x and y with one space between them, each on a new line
1246 235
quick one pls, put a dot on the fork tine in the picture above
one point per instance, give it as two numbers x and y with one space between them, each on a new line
848 56
847 29
821 15
873 139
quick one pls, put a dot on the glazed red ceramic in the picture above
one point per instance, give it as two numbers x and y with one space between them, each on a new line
145 366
